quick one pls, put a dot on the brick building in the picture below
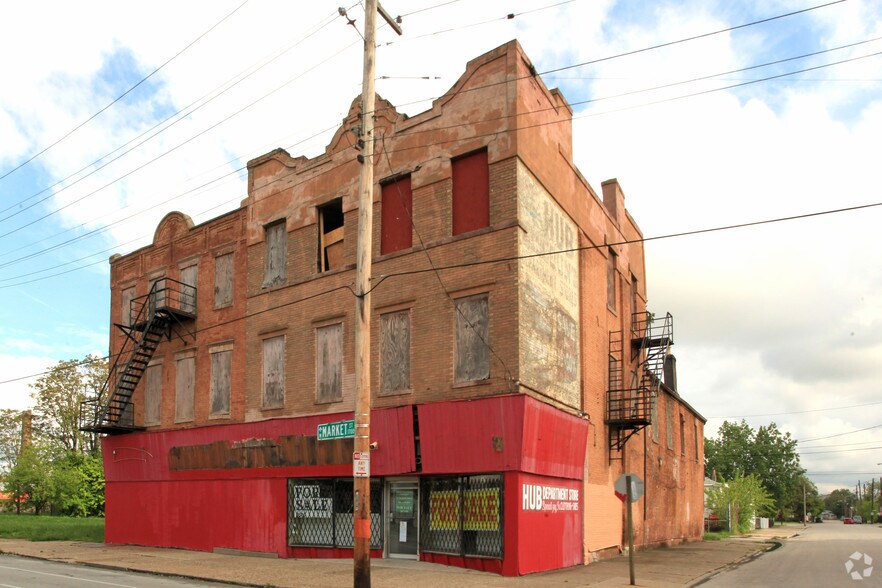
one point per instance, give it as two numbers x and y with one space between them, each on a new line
513 355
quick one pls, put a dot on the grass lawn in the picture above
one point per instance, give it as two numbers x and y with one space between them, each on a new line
49 528
717 535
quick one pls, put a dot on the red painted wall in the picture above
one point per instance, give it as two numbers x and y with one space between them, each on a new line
502 433
547 513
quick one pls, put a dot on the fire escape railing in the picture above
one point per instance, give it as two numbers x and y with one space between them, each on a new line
629 406
151 318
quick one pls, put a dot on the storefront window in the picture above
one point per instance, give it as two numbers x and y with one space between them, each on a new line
320 512
463 515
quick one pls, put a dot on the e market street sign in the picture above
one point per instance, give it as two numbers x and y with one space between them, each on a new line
338 430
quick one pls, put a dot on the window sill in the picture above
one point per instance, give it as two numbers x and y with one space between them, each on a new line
471 383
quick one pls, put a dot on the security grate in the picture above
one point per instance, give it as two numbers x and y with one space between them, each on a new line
320 512
463 515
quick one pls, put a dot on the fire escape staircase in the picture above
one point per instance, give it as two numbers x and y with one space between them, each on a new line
629 404
168 309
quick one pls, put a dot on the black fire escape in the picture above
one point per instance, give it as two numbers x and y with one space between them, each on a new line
168 309
629 404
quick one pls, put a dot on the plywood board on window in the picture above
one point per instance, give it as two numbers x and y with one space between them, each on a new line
223 280
153 395
185 379
472 339
329 363
273 372
395 352
221 363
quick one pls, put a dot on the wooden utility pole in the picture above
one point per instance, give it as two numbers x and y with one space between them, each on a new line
362 484
361 474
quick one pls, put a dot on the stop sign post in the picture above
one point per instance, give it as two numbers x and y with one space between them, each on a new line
629 487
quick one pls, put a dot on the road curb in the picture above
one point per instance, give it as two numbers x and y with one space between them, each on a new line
771 545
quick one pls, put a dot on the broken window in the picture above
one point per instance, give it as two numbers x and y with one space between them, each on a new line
221 364
189 278
471 192
153 395
396 230
273 372
330 218
329 363
471 343
185 379
223 280
275 263
395 352
125 315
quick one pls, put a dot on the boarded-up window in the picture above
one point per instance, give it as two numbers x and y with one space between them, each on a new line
125 314
221 362
275 263
695 439
654 417
669 420
611 280
329 363
471 192
396 232
189 279
331 233
153 395
273 372
223 280
472 339
395 352
156 289
185 379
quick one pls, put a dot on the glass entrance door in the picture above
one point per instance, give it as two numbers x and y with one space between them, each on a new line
402 517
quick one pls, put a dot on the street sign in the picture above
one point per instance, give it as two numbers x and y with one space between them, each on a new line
338 430
621 487
361 464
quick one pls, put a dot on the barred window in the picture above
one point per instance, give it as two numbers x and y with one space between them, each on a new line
320 512
462 515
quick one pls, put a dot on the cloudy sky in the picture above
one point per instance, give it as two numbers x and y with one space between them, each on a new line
778 322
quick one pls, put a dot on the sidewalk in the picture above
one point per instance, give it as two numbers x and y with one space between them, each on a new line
683 565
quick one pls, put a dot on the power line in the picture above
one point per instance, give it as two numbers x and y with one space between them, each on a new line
742 416
675 98
464 90
840 434
179 116
121 96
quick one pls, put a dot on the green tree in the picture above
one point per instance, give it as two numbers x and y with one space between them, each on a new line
839 500
28 482
743 498
58 395
11 422
767 453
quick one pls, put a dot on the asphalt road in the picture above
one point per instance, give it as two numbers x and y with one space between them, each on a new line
22 572
818 556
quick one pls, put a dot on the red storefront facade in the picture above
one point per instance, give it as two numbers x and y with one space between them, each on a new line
230 486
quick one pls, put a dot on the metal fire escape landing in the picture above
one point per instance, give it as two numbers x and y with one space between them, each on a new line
169 308
629 405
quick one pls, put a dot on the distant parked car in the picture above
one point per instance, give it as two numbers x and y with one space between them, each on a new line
857 519
848 521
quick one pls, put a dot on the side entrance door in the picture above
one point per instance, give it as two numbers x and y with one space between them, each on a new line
402 516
